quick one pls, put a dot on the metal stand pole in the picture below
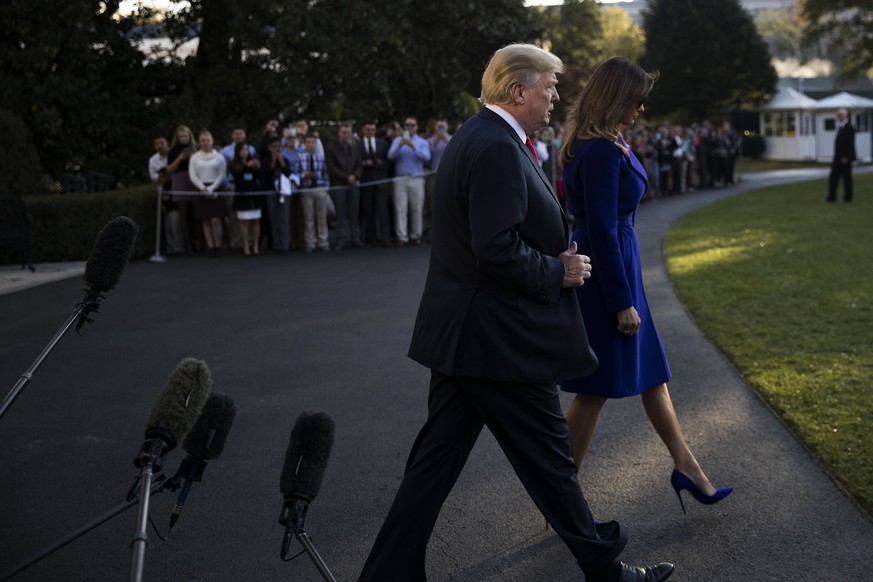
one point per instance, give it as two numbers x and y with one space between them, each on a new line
159 485
293 516
304 540
91 302
153 453
157 258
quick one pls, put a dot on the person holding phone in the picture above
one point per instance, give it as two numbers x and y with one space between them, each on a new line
410 152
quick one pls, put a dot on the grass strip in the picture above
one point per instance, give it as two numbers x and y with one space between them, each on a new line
782 283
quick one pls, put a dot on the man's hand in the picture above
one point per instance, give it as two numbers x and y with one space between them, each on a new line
577 268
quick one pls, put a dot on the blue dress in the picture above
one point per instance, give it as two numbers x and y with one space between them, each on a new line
604 188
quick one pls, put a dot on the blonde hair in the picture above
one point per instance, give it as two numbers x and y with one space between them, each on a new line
515 64
184 129
615 85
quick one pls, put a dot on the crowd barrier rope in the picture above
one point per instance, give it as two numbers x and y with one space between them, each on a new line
158 258
295 190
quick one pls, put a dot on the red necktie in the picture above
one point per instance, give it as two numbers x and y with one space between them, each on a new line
529 145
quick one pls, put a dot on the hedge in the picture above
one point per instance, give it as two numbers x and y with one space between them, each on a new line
65 226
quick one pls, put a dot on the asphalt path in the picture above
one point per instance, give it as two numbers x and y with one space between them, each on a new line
329 332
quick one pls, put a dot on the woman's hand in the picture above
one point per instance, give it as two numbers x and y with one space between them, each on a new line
628 321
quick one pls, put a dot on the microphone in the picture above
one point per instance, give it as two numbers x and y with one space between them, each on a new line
110 254
306 459
175 411
107 260
205 441
172 417
305 463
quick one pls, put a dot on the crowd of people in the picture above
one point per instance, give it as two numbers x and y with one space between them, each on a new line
290 190
369 186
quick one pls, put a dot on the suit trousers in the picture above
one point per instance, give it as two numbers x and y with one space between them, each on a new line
315 219
280 220
839 171
408 207
377 213
527 421
347 202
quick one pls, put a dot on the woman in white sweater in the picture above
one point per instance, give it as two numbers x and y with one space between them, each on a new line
207 170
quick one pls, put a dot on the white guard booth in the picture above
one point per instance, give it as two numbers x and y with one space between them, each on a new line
861 114
788 126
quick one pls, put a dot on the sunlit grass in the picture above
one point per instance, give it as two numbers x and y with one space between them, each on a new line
782 283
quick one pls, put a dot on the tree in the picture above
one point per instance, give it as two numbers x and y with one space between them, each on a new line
710 57
844 26
20 172
621 36
782 30
75 73
380 59
573 32
70 74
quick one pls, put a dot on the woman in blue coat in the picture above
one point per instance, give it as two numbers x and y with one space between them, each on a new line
604 183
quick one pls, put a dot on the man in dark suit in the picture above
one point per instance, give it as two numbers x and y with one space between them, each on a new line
498 324
844 155
375 194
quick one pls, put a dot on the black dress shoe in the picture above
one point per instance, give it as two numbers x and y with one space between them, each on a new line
654 574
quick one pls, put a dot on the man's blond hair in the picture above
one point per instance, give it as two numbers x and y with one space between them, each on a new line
515 64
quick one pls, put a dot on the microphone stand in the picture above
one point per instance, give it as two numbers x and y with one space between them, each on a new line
292 519
91 302
159 484
149 460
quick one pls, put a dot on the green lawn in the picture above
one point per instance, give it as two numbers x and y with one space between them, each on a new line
782 283
749 165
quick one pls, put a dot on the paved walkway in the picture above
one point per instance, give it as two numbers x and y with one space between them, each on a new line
329 332
13 278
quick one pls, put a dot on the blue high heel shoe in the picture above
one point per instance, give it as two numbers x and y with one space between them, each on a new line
679 482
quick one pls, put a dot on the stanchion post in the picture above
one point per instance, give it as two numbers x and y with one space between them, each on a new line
157 257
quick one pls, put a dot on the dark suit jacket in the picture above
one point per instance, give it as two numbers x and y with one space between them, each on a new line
844 144
343 160
381 165
493 306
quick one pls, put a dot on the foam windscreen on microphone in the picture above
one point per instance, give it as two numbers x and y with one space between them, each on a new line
209 434
180 402
307 455
110 254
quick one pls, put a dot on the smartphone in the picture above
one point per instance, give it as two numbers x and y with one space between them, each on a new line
406 134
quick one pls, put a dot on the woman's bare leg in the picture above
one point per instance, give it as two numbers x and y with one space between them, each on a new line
207 234
659 408
582 418
244 235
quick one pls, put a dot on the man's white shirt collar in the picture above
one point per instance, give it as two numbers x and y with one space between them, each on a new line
508 118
